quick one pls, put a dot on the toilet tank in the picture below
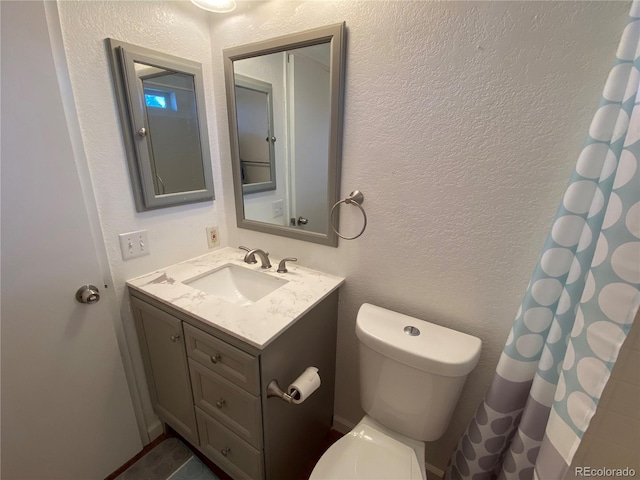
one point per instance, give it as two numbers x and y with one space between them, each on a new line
411 371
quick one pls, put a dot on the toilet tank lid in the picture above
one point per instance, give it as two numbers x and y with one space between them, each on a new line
435 349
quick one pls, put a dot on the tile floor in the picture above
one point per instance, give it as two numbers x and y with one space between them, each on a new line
169 460
172 459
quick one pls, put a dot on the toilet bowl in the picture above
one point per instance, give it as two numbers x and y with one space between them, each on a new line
373 452
411 375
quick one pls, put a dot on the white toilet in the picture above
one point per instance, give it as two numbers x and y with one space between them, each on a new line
411 375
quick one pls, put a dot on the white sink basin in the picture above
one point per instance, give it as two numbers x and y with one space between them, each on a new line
236 284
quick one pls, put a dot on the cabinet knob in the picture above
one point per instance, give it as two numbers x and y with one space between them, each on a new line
175 338
225 451
215 358
221 403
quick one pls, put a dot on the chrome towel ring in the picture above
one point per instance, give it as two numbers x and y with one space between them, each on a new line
355 198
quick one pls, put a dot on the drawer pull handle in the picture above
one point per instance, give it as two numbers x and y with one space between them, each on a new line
221 403
175 338
225 451
215 358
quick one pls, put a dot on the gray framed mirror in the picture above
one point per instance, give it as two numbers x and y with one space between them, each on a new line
304 73
161 104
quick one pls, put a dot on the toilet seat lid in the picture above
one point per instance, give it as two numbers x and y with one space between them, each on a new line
366 453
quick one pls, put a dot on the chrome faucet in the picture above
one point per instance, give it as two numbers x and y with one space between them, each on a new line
248 258
264 257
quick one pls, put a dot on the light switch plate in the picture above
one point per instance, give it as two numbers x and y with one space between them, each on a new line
134 244
277 208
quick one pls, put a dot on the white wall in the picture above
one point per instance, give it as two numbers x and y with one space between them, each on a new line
462 125
177 233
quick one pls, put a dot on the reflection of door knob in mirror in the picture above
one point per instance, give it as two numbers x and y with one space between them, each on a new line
302 220
88 294
142 132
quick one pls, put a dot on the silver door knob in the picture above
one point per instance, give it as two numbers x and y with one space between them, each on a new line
302 220
88 294
142 132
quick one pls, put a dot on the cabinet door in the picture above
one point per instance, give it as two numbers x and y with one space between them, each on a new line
162 344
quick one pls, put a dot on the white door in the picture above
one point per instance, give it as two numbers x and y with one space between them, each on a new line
309 91
66 408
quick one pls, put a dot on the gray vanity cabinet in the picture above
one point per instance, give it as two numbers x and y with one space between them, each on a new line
212 388
160 335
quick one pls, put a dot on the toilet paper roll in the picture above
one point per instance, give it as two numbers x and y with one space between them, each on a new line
304 385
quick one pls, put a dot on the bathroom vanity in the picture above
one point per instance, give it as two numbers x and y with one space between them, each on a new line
214 332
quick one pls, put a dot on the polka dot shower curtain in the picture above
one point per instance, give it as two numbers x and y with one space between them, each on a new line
579 306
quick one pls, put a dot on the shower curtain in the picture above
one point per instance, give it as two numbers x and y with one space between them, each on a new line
579 305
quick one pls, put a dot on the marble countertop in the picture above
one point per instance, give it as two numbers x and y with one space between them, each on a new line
257 324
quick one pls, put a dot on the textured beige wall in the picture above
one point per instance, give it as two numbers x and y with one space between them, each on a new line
463 122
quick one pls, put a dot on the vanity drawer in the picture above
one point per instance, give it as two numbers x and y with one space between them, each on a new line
228 451
227 403
227 361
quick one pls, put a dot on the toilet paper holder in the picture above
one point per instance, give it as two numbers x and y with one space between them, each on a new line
299 390
274 390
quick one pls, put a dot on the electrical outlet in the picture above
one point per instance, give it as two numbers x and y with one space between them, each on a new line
277 208
134 244
212 237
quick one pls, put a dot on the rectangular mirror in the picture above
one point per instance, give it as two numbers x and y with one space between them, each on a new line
161 104
284 100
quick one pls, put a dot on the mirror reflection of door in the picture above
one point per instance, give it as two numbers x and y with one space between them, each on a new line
309 119
254 113
253 136
173 133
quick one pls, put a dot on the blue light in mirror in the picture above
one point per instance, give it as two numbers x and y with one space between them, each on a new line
160 99
155 101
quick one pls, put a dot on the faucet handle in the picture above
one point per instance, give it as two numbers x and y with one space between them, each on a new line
282 266
248 258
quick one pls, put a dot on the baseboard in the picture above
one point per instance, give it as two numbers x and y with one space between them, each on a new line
146 449
155 430
344 426
433 473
